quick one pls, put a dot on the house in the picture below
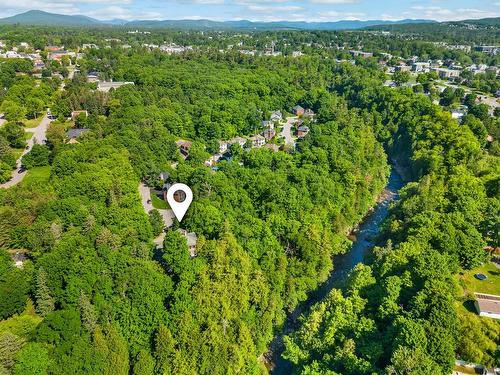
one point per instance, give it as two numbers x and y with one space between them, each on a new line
191 241
74 134
445 73
488 305
238 140
212 160
223 146
93 77
402 68
276 116
184 146
298 110
360 53
18 257
258 141
491 50
272 147
269 134
106 86
297 54
420 67
89 46
268 124
75 114
302 131
458 114
309 113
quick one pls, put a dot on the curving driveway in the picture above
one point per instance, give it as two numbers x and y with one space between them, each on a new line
167 215
39 137
287 131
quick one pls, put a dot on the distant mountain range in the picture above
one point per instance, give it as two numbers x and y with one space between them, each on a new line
40 18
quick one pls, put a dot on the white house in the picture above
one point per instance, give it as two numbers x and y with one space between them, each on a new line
488 305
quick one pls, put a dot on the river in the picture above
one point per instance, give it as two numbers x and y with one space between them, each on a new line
343 264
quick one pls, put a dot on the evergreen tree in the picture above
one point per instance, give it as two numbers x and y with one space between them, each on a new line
44 301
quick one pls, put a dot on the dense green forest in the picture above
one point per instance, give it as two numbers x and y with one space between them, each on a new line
96 297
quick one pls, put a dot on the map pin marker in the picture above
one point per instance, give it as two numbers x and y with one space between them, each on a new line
179 197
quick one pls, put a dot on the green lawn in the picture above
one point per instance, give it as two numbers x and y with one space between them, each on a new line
33 123
37 174
158 203
489 286
28 135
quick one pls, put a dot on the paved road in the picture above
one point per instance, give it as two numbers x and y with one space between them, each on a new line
287 131
489 100
39 137
167 215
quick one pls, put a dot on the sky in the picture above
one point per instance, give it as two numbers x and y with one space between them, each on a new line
262 10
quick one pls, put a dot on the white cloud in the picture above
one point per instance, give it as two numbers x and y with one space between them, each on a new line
334 1
274 8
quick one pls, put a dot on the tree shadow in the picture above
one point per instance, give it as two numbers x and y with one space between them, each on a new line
470 306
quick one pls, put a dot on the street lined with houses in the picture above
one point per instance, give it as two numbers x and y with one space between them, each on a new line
38 137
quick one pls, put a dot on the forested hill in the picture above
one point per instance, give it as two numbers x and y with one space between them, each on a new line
40 18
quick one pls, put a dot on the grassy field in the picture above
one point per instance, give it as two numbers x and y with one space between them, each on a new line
28 135
490 286
33 123
38 174
158 203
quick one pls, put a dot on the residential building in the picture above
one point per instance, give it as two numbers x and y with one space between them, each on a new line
191 239
402 68
421 67
258 141
490 50
308 113
106 86
223 146
269 134
445 73
74 134
458 114
184 146
361 54
238 140
93 77
272 147
75 114
276 116
298 110
302 131
90 46
488 305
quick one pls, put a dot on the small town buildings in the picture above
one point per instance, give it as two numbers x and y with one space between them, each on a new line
212 160
223 146
268 124
488 305
308 113
490 50
19 257
297 54
402 68
75 114
74 134
184 146
421 67
298 110
258 141
93 77
276 116
458 114
106 86
272 147
355 53
445 73
90 46
238 140
269 134
302 131
191 241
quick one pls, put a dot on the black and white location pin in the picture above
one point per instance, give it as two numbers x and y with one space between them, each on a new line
179 197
